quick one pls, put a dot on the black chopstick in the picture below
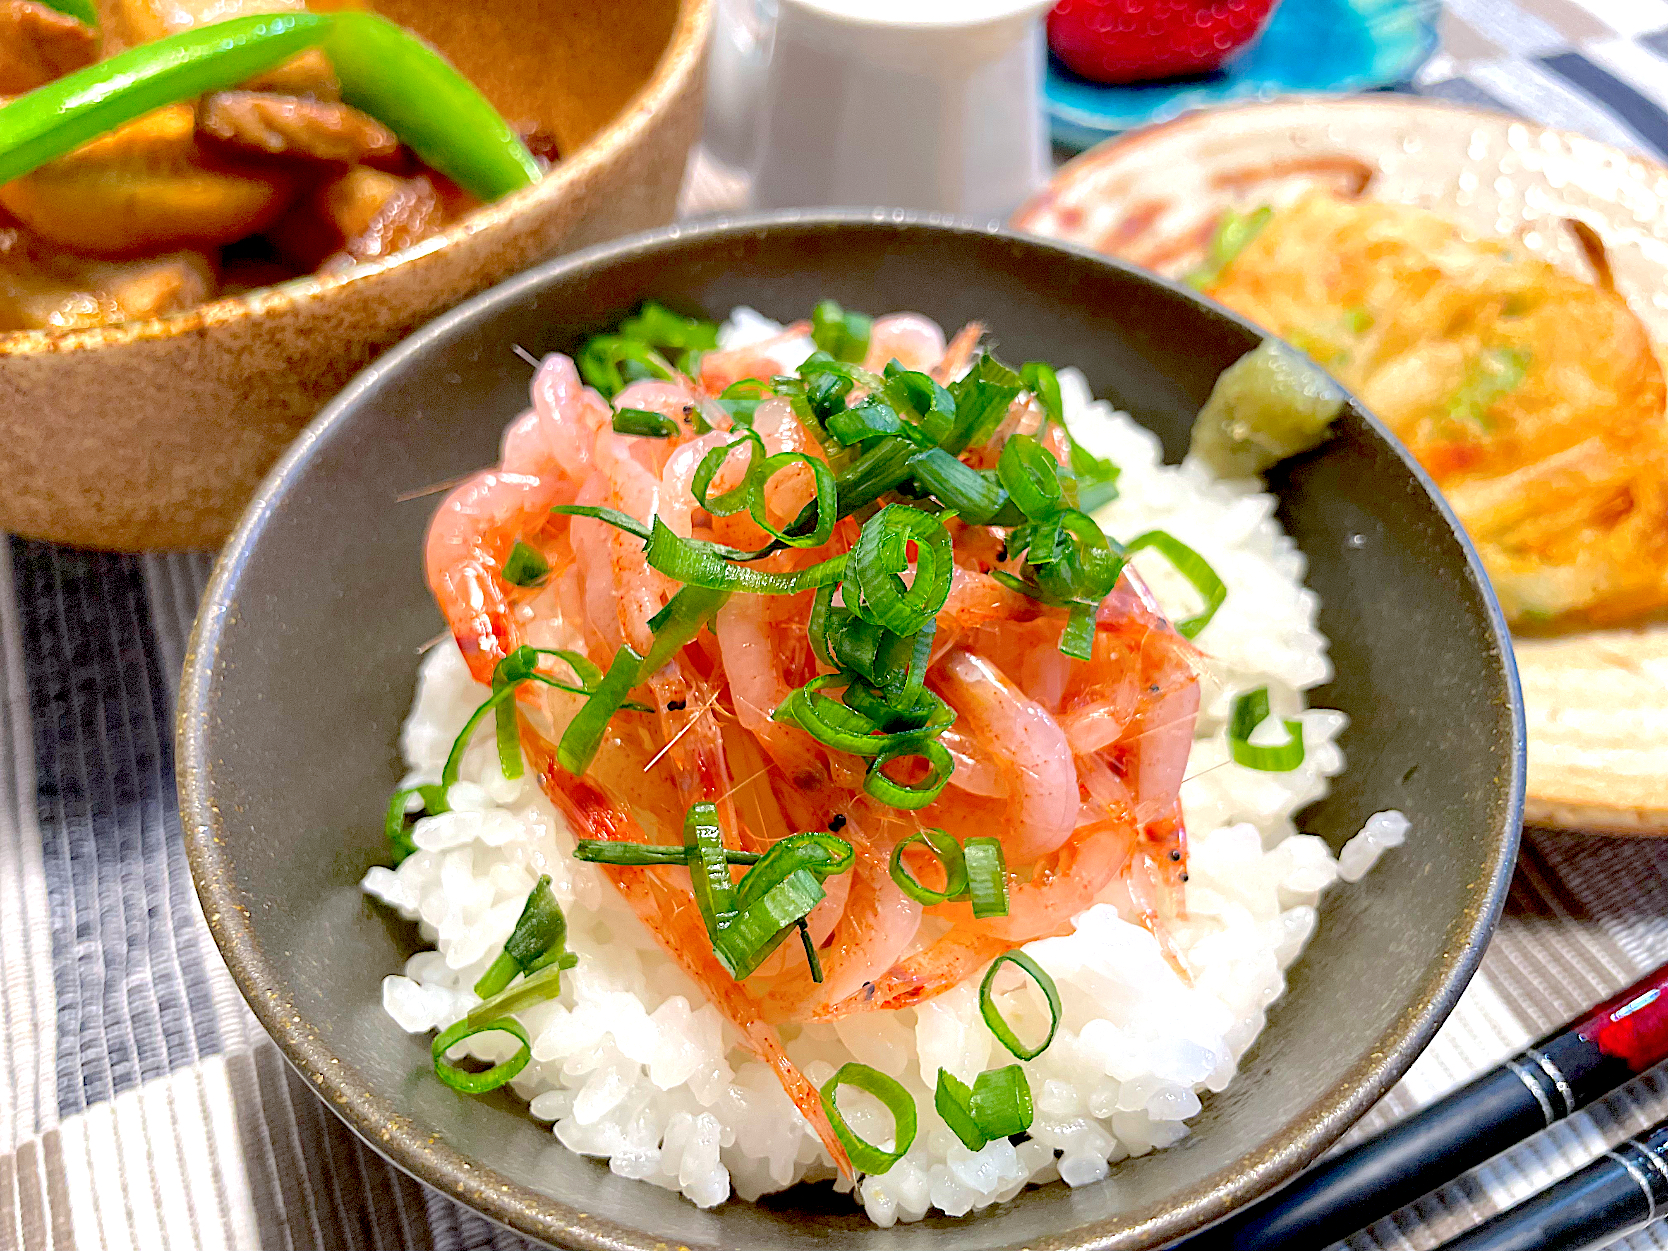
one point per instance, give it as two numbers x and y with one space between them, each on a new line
1543 1084
1621 1191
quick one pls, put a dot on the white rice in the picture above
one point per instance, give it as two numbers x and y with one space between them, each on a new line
631 1063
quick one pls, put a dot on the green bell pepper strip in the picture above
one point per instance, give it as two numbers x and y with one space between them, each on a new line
65 113
81 10
436 111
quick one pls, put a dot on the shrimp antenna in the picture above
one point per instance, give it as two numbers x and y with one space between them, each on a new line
525 355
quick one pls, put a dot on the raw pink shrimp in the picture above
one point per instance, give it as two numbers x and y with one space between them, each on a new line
1035 807
1074 765
756 360
914 341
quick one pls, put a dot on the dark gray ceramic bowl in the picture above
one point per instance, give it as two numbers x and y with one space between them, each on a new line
302 667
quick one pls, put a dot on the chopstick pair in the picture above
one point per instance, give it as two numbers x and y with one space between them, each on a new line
1541 1085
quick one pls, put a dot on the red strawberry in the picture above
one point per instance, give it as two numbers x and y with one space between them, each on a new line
1123 41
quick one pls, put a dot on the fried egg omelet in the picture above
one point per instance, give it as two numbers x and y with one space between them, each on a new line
1534 399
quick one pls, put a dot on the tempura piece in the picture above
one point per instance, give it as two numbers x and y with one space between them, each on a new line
1533 398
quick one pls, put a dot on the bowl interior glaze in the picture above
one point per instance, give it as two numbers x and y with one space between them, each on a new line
304 656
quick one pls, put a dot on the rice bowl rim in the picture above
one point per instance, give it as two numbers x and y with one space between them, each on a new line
425 1155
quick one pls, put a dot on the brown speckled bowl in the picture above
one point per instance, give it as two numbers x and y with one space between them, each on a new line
153 434
303 662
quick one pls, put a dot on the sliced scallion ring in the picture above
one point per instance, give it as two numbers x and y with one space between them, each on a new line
881 557
1191 566
539 938
993 1018
1001 1102
1251 710
462 1080
866 1156
949 854
735 499
399 839
910 797
826 500
987 876
580 741
640 855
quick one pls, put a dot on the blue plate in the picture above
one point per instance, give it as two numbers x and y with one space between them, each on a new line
1309 45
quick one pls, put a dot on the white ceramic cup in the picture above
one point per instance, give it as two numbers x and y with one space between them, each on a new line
919 104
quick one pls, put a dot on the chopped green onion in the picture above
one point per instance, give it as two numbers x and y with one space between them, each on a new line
1042 382
897 794
611 516
949 854
1077 640
709 867
686 614
1191 566
827 505
1001 1102
869 420
539 938
1031 475
954 1103
611 362
882 555
660 327
822 855
394 827
580 741
742 399
454 761
524 566
706 565
535 988
746 939
959 487
987 876
993 1018
607 851
1251 710
843 335
982 397
1097 478
643 423
865 1156
462 1080
923 397
734 500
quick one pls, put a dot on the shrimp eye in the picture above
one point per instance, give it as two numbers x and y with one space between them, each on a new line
677 705
837 822
1175 855
1184 877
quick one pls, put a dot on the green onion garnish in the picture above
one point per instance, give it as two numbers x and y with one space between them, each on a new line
462 1080
993 1018
949 854
580 741
973 494
394 825
987 876
612 516
660 327
882 555
822 855
1191 566
1031 475
709 867
535 988
525 566
677 624
954 1103
1001 1102
734 500
612 362
1251 710
539 938
638 855
865 1156
982 397
843 335
825 502
911 796
742 399
745 939
643 423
